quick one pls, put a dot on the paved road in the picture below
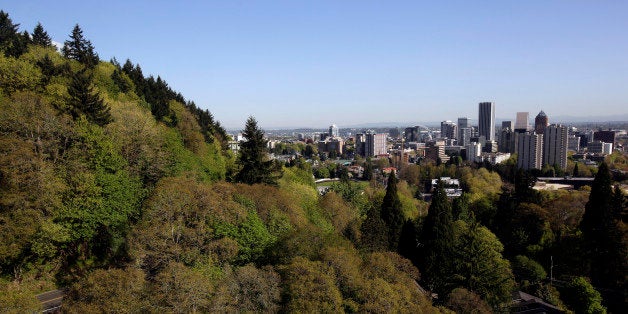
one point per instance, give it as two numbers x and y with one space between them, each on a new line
51 301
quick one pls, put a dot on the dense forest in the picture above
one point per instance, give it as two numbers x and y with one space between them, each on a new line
119 191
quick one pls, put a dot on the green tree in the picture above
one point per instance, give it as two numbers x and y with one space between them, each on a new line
253 158
479 265
12 42
391 212
576 172
582 297
41 37
373 229
464 301
85 101
80 49
8 30
605 238
367 175
437 241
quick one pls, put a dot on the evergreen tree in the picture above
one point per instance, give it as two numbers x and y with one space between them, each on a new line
605 237
85 101
19 45
576 171
620 210
40 36
408 242
8 30
437 241
373 229
80 49
253 158
367 175
12 42
391 212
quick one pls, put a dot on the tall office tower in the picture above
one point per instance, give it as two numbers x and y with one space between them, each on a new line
464 136
529 150
448 129
507 141
555 146
334 131
360 143
412 134
604 136
573 143
375 144
521 123
463 122
486 120
507 125
540 122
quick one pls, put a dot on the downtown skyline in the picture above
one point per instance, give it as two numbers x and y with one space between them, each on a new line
351 63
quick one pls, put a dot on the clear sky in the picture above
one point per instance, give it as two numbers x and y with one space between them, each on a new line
314 63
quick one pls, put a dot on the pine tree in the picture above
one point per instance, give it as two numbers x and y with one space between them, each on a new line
604 234
12 42
80 49
8 30
253 158
391 213
367 175
40 36
437 241
85 101
374 237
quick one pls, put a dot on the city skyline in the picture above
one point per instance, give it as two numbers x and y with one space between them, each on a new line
290 64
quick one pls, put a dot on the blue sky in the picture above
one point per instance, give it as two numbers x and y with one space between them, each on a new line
313 63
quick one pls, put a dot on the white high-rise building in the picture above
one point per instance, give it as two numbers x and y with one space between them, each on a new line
486 120
374 144
474 150
555 146
529 150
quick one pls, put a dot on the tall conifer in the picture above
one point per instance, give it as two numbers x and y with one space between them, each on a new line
605 238
40 36
391 212
85 101
80 49
253 158
437 241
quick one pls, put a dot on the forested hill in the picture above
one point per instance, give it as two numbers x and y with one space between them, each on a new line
117 189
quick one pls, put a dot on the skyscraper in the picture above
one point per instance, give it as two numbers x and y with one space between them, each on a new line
529 150
555 146
448 129
464 136
463 122
507 125
521 123
540 122
486 120
333 131
374 144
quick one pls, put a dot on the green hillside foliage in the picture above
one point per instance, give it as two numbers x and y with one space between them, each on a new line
119 190
115 188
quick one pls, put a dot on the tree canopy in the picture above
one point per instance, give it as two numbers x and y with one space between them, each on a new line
255 166
80 49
